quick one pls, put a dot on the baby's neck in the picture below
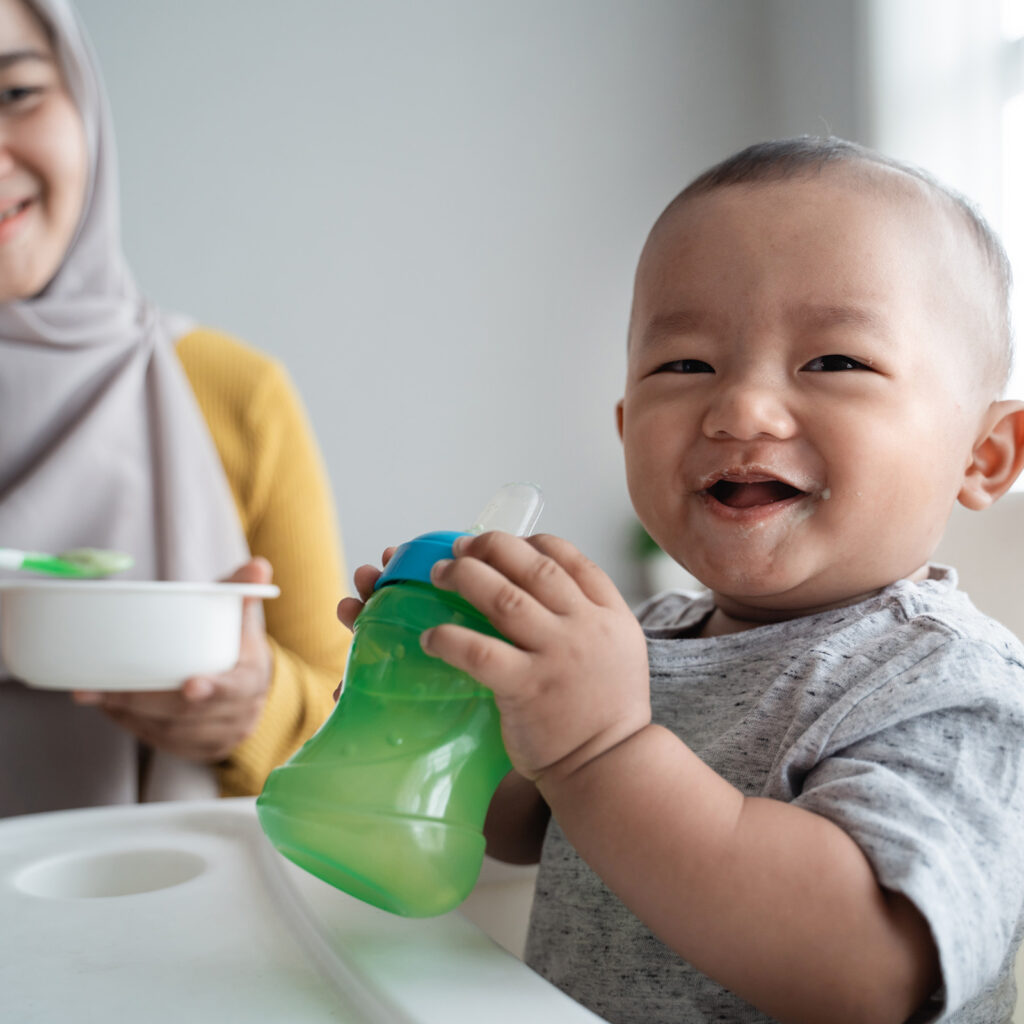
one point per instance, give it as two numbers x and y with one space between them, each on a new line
720 624
730 616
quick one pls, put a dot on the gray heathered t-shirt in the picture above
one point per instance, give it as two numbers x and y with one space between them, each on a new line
900 718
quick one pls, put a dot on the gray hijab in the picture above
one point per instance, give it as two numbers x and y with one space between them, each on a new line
102 444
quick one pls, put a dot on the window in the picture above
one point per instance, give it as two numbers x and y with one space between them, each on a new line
1011 213
945 90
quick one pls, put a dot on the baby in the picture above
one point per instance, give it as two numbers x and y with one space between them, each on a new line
800 795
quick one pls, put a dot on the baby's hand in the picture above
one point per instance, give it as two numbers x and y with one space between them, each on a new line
575 683
364 578
350 607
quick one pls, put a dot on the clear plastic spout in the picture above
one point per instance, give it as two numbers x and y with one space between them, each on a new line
514 509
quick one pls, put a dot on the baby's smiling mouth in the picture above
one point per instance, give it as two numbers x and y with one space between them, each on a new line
751 492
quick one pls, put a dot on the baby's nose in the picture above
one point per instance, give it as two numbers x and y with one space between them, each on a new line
746 410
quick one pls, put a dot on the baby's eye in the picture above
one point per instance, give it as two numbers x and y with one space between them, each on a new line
685 366
834 364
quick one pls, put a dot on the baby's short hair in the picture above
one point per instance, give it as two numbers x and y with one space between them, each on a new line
807 155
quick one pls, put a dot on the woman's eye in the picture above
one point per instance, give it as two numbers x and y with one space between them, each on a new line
835 364
18 94
685 366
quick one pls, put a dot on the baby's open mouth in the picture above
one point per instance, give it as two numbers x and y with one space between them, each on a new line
751 493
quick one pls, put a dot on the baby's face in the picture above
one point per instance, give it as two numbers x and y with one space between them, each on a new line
797 417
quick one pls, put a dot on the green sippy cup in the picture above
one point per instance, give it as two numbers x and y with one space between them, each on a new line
387 801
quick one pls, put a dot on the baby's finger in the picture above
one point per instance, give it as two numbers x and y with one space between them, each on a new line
591 579
492 662
511 610
348 611
529 568
364 578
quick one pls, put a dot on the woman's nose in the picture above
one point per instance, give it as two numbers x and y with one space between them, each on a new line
745 410
6 157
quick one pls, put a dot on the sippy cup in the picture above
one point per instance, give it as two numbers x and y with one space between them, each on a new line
387 801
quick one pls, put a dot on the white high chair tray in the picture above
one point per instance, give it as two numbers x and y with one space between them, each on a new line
184 912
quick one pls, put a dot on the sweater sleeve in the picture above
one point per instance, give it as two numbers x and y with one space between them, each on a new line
280 486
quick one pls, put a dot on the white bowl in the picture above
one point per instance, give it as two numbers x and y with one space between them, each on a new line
120 635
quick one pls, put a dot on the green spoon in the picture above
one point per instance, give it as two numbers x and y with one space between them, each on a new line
82 562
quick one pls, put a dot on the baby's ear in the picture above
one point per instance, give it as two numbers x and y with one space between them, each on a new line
998 456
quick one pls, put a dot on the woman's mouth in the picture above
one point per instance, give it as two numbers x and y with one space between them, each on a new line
13 211
13 219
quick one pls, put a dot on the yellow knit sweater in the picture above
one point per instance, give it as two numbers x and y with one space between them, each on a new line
283 498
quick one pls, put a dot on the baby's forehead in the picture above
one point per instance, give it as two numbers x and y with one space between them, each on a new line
878 192
940 236
850 219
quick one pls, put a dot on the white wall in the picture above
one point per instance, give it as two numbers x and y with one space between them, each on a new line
431 213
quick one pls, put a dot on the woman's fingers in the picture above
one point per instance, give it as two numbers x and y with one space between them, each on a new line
201 740
157 705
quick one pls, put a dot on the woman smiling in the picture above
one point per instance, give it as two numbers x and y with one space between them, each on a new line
127 427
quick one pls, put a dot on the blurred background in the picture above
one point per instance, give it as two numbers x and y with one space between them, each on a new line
430 212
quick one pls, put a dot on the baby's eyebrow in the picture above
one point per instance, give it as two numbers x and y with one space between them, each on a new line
662 327
16 56
670 325
822 317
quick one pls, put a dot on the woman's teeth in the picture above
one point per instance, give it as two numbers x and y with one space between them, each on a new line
14 211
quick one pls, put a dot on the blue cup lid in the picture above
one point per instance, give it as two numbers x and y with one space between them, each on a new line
414 559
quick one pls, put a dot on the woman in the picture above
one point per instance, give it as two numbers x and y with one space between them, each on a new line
124 427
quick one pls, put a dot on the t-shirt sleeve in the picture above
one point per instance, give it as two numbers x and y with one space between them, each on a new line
926 773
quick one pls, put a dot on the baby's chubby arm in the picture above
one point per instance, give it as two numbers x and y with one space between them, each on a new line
774 902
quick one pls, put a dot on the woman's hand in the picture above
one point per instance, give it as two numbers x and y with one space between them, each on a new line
210 715
573 682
